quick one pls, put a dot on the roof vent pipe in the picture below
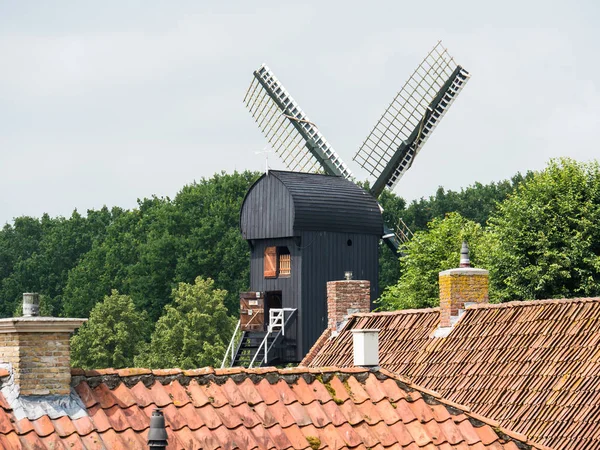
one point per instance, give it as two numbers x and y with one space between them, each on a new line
31 304
157 434
366 347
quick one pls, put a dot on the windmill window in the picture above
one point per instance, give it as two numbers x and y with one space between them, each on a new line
277 262
285 261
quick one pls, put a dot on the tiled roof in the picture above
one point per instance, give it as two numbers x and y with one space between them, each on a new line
316 348
533 366
259 409
402 336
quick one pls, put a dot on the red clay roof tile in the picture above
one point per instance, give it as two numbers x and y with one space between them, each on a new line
133 372
6 425
331 408
64 426
86 394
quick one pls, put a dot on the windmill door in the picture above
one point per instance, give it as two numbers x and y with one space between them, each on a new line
252 311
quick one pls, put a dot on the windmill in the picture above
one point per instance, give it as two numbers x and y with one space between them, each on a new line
306 230
390 148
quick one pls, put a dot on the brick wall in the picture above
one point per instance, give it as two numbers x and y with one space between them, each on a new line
458 286
346 297
38 351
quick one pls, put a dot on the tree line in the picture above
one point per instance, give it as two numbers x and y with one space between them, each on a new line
160 282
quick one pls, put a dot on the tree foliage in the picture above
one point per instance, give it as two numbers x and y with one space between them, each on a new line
543 241
427 254
548 235
148 250
193 331
477 202
36 255
112 336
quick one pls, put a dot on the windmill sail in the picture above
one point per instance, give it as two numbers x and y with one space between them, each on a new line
292 135
390 149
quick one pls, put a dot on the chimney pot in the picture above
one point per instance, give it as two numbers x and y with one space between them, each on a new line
464 255
366 347
31 304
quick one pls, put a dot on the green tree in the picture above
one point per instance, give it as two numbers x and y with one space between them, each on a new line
148 250
112 336
427 254
36 255
548 235
477 202
194 330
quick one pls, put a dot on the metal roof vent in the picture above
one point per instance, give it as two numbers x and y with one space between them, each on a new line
31 304
366 347
157 435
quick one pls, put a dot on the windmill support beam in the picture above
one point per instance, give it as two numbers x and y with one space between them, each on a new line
409 143
389 170
325 162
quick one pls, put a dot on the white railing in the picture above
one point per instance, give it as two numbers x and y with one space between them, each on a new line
232 347
276 320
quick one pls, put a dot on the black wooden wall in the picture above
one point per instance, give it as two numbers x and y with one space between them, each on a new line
325 257
267 211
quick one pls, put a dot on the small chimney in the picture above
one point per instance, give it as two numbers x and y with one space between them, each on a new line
37 350
345 297
366 347
460 286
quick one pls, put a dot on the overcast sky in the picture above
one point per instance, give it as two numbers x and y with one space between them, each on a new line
106 102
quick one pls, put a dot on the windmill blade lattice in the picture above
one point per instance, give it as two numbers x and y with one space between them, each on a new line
390 148
292 135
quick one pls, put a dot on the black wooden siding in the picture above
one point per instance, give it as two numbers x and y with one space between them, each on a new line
267 211
283 204
325 257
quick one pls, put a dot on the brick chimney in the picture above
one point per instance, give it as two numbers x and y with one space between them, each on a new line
459 286
345 297
36 350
